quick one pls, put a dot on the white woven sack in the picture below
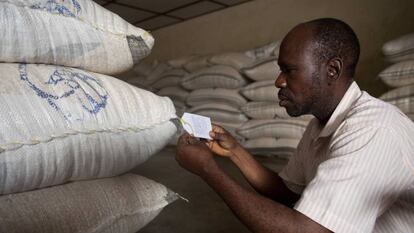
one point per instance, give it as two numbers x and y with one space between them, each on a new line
144 68
76 33
275 128
264 110
63 124
269 50
215 95
176 93
197 63
120 204
398 75
220 112
235 60
180 62
148 80
399 49
266 69
218 76
267 146
269 110
261 91
171 77
398 93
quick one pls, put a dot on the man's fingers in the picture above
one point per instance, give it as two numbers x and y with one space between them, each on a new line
184 139
217 129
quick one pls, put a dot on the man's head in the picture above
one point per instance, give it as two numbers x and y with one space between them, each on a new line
318 60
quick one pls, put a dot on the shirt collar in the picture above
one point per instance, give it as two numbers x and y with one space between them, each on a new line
337 117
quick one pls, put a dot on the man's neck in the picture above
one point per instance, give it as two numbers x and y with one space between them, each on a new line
326 109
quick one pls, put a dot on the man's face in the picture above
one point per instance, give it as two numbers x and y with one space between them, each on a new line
299 80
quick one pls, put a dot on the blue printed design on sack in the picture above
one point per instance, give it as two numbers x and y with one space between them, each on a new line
88 91
58 8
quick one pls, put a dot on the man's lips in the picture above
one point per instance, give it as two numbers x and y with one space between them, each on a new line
283 100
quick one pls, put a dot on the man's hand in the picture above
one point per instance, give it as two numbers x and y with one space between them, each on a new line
194 155
223 142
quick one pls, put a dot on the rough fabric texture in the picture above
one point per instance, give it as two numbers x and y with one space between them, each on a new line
215 95
265 51
197 63
264 110
218 76
261 91
235 60
180 62
275 128
61 124
176 93
398 75
120 204
169 78
399 49
148 75
269 110
76 33
220 112
267 146
266 69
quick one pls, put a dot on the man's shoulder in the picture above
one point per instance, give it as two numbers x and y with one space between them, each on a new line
370 112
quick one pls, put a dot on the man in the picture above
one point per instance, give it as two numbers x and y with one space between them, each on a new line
354 167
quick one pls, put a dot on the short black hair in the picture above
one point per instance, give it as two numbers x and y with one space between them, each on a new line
335 38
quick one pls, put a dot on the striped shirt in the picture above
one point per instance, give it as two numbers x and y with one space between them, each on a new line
356 172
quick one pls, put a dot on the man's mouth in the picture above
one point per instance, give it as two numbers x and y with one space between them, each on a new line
283 100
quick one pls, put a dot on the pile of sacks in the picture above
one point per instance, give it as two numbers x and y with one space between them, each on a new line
236 90
400 75
65 123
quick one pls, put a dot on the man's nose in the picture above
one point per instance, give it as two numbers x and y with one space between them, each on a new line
280 81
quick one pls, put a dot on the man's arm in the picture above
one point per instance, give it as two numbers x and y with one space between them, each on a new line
257 212
262 179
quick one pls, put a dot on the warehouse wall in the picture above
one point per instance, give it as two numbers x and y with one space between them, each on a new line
262 21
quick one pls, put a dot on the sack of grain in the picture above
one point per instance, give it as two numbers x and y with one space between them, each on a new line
220 112
399 49
216 95
196 63
398 75
76 33
119 204
235 60
176 93
218 76
169 78
275 128
180 62
265 51
61 124
268 146
266 69
261 91
147 80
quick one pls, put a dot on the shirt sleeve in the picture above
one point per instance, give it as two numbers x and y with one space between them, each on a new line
363 176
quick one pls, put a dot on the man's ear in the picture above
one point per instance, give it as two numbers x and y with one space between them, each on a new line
334 69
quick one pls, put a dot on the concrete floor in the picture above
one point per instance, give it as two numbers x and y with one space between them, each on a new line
205 212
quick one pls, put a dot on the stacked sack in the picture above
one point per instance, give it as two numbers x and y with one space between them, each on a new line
215 82
270 130
400 75
62 124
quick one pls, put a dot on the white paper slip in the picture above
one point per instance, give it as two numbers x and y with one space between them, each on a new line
198 126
